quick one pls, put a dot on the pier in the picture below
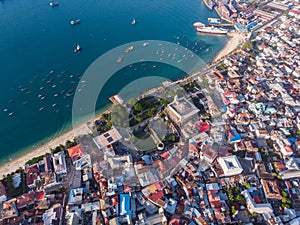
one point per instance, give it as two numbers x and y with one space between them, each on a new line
221 24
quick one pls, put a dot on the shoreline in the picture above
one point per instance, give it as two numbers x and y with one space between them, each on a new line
12 165
44 147
235 39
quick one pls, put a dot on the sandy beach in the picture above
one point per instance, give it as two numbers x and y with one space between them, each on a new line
16 163
234 40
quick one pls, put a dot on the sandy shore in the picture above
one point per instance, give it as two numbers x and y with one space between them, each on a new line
14 164
234 40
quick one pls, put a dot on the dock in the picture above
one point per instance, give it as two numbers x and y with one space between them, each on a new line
116 99
221 24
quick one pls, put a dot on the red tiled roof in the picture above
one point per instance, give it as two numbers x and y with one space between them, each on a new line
76 152
288 149
203 126
156 196
115 200
40 195
31 174
25 199
256 199
165 155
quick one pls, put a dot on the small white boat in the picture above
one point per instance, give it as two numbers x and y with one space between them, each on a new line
145 44
53 4
77 49
54 105
42 108
5 110
74 22
133 22
10 114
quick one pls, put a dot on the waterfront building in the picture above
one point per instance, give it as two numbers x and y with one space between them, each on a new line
182 111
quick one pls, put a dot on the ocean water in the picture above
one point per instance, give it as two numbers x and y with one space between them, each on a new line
39 70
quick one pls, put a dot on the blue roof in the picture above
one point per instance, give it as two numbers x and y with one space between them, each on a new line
125 205
236 136
292 140
250 25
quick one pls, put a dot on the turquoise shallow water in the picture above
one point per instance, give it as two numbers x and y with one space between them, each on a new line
38 67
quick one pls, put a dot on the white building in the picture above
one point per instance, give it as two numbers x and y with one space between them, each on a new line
257 208
59 164
230 165
182 110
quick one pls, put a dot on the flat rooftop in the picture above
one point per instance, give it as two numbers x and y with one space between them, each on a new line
107 138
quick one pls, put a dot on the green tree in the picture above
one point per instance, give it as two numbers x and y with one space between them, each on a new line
233 210
247 185
284 193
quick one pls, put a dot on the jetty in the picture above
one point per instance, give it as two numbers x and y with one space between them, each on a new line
222 25
117 99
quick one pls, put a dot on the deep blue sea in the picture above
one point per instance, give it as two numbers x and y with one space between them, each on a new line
38 66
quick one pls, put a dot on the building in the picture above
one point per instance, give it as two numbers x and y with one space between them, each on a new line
76 152
230 98
209 154
59 164
108 138
257 208
48 164
125 205
25 200
271 189
53 215
75 197
3 196
230 165
32 175
181 111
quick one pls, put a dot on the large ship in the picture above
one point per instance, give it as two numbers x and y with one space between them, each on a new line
201 28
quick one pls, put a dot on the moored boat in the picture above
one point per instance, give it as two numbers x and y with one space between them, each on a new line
133 22
129 49
213 21
77 49
120 58
53 4
74 22
201 28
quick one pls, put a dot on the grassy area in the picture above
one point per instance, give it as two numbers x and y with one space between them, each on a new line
9 184
145 104
36 159
143 144
192 87
140 133
104 124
